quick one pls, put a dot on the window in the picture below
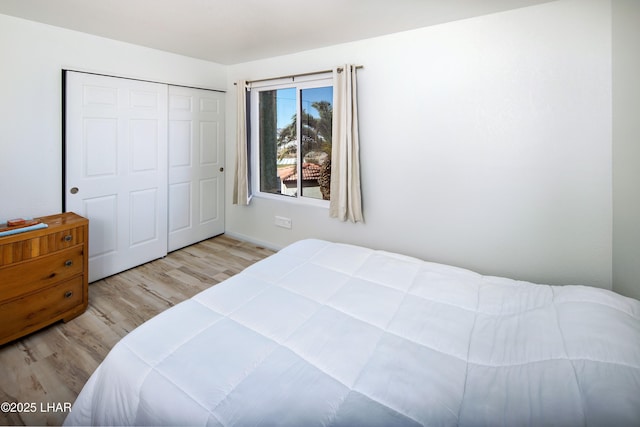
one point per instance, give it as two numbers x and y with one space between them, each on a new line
291 136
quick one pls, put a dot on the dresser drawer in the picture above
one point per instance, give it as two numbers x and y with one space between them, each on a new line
20 278
24 315
24 250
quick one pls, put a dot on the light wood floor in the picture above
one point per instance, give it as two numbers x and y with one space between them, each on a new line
50 367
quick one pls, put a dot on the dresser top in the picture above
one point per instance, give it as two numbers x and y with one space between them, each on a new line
54 223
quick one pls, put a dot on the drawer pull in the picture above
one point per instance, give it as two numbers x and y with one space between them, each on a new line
68 294
68 263
68 238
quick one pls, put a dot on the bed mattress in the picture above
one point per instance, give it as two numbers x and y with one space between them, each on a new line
331 334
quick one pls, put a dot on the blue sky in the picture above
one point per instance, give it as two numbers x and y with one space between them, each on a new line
286 103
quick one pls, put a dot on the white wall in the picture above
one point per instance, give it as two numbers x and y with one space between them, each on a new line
626 147
33 56
502 122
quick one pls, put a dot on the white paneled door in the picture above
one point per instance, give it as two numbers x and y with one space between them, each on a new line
196 165
116 168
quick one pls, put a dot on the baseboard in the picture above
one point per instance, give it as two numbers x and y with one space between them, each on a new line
251 240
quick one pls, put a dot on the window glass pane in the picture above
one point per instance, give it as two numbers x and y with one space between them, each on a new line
277 141
315 145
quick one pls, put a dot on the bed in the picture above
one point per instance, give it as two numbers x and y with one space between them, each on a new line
331 334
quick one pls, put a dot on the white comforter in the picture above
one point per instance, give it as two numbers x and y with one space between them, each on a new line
337 335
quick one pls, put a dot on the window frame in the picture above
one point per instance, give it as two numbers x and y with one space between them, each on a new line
299 83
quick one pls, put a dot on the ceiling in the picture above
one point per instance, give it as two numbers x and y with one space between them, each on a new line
236 31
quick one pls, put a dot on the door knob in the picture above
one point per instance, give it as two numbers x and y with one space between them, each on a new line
74 190
221 169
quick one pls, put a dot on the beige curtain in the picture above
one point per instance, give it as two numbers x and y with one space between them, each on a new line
345 162
241 181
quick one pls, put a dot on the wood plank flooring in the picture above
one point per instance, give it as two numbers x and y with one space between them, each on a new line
46 370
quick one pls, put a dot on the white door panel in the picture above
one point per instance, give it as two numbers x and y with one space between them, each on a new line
196 161
116 157
209 206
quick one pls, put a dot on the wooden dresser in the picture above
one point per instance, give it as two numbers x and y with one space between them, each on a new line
43 275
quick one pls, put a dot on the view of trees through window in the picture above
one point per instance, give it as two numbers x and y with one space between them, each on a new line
295 158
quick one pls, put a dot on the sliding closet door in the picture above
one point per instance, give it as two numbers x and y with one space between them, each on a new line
196 160
116 168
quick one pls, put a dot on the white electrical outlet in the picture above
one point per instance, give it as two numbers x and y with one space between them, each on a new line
283 222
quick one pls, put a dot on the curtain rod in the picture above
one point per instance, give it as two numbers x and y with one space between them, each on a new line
293 76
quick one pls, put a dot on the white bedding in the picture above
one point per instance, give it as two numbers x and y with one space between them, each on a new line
337 335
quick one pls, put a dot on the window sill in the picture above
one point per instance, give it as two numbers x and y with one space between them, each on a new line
301 201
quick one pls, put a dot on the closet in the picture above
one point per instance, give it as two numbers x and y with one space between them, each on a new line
144 162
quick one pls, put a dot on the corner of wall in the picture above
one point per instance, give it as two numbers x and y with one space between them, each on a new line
626 152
